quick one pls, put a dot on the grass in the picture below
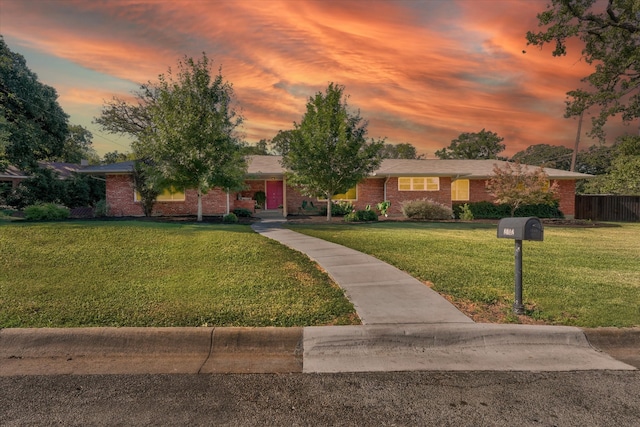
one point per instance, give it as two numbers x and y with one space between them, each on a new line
584 277
133 273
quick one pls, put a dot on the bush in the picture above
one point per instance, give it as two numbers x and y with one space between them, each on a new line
45 212
101 208
426 209
465 213
230 218
383 207
357 216
488 210
338 209
242 213
45 186
260 197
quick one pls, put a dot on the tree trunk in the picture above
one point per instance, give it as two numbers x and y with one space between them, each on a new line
329 194
574 156
199 205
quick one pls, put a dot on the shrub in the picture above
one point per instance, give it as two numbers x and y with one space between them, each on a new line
383 207
426 209
230 218
260 197
465 213
45 212
101 208
45 186
338 208
242 213
366 215
488 210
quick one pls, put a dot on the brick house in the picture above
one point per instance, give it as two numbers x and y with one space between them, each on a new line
397 180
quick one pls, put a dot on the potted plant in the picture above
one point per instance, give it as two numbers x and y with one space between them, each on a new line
260 197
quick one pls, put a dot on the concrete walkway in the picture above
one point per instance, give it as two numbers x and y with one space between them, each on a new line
407 326
381 293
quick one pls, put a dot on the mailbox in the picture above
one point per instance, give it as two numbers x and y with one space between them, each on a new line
529 228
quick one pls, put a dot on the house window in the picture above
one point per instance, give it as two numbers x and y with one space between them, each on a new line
419 183
460 189
168 195
352 194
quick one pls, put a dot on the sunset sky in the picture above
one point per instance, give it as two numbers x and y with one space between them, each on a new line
420 71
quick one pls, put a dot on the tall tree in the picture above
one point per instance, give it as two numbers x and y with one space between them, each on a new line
148 182
400 151
515 185
609 31
192 139
78 146
545 155
280 143
116 157
132 119
34 124
473 145
329 152
257 149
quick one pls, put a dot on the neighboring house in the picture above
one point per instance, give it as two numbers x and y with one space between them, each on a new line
14 176
445 181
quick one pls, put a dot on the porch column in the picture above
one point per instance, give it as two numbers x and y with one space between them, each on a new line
284 196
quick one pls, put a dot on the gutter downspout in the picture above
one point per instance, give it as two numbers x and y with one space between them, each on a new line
384 189
228 202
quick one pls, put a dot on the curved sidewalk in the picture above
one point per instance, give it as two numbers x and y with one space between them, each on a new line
408 326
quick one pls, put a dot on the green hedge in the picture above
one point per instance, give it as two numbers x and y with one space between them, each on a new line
359 216
488 210
242 212
45 212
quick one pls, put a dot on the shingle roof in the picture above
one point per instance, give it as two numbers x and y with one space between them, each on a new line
121 167
262 166
13 172
64 170
471 169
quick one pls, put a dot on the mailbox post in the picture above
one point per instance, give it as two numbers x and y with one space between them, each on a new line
519 229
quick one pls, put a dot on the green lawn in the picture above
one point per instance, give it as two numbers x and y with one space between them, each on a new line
585 277
134 273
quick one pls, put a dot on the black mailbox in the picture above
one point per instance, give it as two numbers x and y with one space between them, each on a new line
529 228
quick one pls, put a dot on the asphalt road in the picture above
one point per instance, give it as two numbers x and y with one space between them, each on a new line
591 398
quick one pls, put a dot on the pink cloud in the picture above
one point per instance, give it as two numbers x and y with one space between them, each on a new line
421 72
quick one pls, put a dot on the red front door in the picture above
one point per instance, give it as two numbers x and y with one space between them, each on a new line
274 194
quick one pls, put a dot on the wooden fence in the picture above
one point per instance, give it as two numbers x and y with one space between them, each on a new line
608 208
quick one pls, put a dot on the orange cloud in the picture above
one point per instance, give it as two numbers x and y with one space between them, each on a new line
420 71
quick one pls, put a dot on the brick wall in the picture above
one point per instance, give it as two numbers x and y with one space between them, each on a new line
120 199
120 195
294 200
443 195
566 194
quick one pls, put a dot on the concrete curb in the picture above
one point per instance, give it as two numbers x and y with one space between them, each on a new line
620 343
452 347
83 351
368 348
